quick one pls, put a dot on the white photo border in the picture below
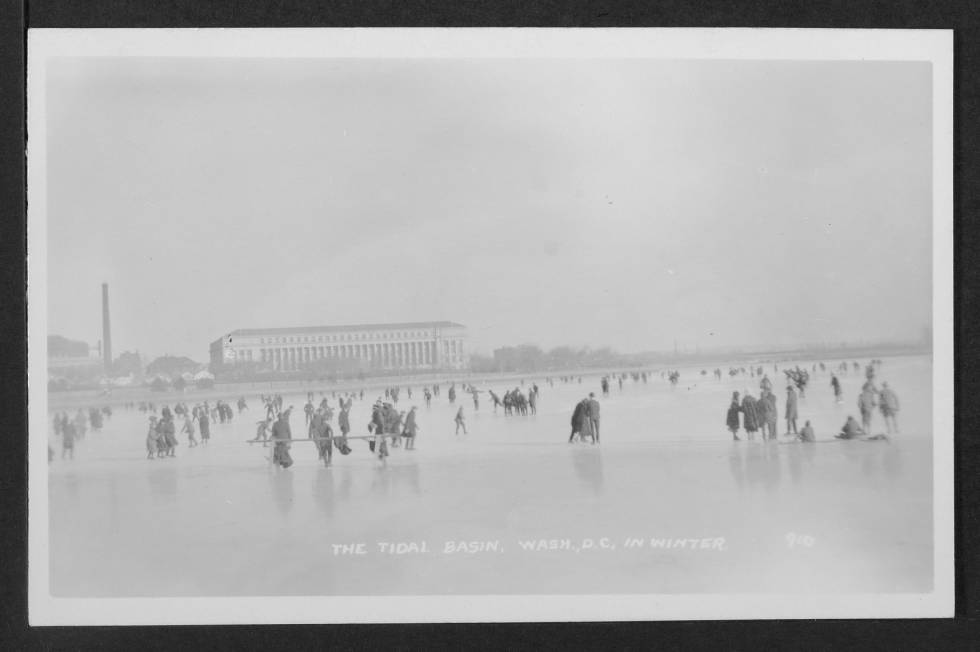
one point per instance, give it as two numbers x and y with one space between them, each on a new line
933 46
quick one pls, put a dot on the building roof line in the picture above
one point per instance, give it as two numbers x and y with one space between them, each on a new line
346 327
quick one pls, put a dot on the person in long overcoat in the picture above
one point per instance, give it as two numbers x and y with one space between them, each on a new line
750 412
578 419
731 419
866 404
281 435
791 412
411 429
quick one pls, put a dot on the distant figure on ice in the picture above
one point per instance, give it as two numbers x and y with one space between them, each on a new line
152 434
750 418
205 425
452 394
428 397
476 400
791 411
731 419
411 429
460 419
770 415
605 386
806 435
593 416
189 429
835 383
866 404
495 399
850 430
889 407
765 385
281 435
532 399
579 417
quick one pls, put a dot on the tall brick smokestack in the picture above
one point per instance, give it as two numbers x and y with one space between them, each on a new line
106 334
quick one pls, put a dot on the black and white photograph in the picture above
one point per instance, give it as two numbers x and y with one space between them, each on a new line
420 325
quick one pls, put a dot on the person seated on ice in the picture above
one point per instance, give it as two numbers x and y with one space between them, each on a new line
282 435
806 435
851 429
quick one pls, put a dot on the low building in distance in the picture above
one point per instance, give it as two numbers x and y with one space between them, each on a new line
414 346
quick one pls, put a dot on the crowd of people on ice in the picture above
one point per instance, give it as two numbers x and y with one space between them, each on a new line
761 415
390 428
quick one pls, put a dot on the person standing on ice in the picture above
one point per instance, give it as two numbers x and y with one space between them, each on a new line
866 404
579 415
152 435
460 419
750 410
769 415
791 411
765 385
889 407
452 394
731 419
411 429
189 429
281 435
835 383
593 416
205 425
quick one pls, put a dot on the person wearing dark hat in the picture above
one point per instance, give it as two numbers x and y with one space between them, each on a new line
731 420
594 416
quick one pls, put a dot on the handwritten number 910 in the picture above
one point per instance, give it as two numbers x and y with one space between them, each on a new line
794 540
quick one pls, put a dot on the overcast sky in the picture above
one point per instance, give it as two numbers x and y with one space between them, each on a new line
578 202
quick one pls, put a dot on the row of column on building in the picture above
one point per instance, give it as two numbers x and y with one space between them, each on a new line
384 355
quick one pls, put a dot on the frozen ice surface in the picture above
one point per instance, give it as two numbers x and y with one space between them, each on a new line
833 516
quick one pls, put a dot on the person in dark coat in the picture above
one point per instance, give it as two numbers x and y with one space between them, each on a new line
411 429
593 416
579 416
205 427
791 414
282 435
343 422
750 412
731 419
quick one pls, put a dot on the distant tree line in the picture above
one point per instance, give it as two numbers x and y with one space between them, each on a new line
529 358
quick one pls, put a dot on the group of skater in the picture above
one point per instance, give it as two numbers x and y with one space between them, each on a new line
762 414
585 420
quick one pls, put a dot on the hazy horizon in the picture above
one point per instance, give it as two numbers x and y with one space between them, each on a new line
619 203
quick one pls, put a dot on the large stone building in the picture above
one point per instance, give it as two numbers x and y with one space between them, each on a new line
412 346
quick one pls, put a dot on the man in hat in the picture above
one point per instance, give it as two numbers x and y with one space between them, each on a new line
791 411
593 415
